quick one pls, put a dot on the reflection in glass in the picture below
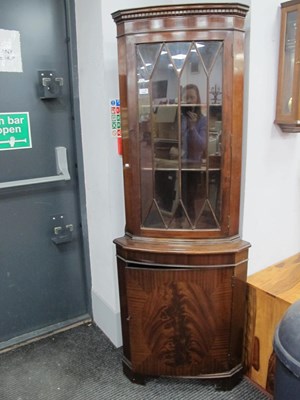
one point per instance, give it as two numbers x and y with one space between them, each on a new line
209 52
179 52
148 53
180 123
289 59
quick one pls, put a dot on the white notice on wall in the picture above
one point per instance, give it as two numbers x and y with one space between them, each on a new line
10 51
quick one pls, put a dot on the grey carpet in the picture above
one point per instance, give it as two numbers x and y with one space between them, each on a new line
82 364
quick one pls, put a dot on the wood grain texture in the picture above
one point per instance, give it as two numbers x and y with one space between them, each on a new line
281 279
270 293
179 320
183 319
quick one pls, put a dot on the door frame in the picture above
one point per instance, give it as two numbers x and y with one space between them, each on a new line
75 106
74 96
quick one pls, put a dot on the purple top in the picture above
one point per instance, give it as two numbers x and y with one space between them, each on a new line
194 139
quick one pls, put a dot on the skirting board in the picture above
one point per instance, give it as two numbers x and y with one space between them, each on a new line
107 320
44 332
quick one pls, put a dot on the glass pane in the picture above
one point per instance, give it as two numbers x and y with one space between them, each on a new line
143 78
214 148
164 83
154 218
193 84
194 134
208 51
289 61
149 53
179 53
166 193
207 218
180 125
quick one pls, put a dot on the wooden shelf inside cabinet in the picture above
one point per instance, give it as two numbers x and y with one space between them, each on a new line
174 165
182 266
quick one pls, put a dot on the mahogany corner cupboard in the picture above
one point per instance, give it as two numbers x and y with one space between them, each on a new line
182 266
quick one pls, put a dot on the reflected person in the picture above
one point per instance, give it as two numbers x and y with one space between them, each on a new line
193 147
193 125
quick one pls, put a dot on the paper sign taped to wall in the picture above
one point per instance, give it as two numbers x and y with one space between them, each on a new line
10 51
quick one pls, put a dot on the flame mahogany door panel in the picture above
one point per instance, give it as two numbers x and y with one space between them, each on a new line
179 320
182 313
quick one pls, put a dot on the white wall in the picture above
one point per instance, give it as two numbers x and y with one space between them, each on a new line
98 83
271 197
270 212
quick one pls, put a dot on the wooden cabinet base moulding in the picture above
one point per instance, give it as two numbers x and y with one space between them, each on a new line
182 308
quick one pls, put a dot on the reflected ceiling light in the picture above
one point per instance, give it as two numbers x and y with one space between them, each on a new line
198 45
147 65
179 57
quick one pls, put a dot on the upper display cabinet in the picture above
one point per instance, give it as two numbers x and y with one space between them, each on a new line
181 92
288 94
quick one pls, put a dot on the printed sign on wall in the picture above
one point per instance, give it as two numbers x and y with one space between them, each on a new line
15 131
10 51
115 116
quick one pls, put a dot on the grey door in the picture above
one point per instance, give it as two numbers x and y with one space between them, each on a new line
43 275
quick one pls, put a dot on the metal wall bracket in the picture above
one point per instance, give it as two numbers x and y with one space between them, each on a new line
50 85
62 232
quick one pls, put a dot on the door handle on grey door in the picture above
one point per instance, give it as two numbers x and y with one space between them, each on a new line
61 168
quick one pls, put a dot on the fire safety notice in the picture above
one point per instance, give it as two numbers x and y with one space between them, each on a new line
15 131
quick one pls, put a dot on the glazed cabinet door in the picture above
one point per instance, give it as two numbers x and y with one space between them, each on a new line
179 320
181 141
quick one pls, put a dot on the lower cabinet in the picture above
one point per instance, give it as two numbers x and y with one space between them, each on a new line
182 313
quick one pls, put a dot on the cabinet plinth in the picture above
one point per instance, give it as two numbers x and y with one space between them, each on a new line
181 264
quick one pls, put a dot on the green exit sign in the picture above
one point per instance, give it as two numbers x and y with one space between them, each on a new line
15 131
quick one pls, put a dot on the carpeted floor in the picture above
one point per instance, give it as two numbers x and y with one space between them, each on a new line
82 364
